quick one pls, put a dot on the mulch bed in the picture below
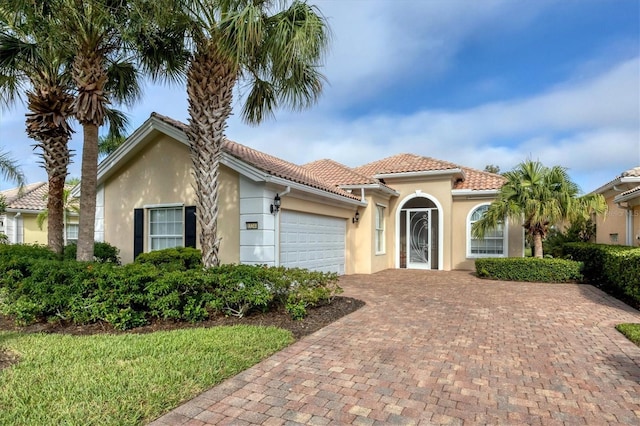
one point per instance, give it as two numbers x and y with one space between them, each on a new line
316 319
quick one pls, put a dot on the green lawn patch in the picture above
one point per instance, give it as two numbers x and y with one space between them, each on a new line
123 379
631 331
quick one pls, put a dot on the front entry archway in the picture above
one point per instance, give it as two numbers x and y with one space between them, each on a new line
419 233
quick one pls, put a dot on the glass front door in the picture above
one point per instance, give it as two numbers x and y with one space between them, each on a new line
418 238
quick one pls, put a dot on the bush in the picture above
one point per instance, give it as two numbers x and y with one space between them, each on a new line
102 252
173 259
38 289
616 268
529 269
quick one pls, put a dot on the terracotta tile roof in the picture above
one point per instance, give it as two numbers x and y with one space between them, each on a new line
479 180
631 191
403 163
335 173
33 197
270 164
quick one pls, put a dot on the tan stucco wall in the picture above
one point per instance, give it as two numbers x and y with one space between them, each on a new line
161 174
32 234
613 222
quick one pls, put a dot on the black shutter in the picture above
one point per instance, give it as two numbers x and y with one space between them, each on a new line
138 232
190 226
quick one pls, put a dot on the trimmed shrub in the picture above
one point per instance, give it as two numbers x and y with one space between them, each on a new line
38 289
614 267
102 252
529 269
173 259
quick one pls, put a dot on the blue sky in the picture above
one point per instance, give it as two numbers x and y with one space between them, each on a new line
470 82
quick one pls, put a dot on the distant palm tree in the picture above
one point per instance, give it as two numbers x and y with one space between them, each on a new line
541 197
10 170
275 50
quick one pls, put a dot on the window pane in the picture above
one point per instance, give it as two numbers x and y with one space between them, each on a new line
493 241
165 228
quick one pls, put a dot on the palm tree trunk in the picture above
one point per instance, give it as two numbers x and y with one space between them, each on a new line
55 209
210 82
537 245
89 171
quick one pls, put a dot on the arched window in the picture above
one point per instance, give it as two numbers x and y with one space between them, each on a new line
494 243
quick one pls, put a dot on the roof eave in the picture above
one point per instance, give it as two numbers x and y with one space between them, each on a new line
421 173
374 186
474 192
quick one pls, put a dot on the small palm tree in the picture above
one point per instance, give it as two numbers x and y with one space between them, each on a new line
70 204
275 51
9 169
541 197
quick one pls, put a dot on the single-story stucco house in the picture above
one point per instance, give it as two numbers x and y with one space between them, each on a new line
621 224
405 211
19 222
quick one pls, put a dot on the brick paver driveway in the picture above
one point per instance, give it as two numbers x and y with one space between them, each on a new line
444 348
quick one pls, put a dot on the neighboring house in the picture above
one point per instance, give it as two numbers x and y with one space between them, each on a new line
19 222
621 224
405 211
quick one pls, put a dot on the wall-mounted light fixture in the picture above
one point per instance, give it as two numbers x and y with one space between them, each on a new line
275 207
356 218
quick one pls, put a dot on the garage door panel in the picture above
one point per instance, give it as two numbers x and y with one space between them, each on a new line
312 241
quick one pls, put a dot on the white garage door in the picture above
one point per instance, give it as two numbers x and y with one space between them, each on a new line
312 241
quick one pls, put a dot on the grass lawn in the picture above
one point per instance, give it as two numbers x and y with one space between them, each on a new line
631 331
122 379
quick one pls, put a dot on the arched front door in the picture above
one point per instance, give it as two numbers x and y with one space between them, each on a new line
419 234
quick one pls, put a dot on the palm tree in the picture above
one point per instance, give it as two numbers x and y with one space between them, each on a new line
541 197
276 52
112 41
9 170
28 56
70 206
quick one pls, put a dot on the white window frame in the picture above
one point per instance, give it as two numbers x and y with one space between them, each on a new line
379 227
69 226
505 236
150 236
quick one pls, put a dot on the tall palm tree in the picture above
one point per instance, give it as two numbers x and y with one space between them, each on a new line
28 56
113 42
273 49
70 205
541 197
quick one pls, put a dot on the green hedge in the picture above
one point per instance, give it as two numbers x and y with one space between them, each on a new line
529 269
102 252
614 267
173 259
38 288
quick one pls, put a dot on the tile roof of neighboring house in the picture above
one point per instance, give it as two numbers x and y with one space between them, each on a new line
270 164
479 180
635 172
338 174
403 163
632 175
631 194
32 197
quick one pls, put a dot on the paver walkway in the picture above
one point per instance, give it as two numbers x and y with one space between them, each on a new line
436 347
